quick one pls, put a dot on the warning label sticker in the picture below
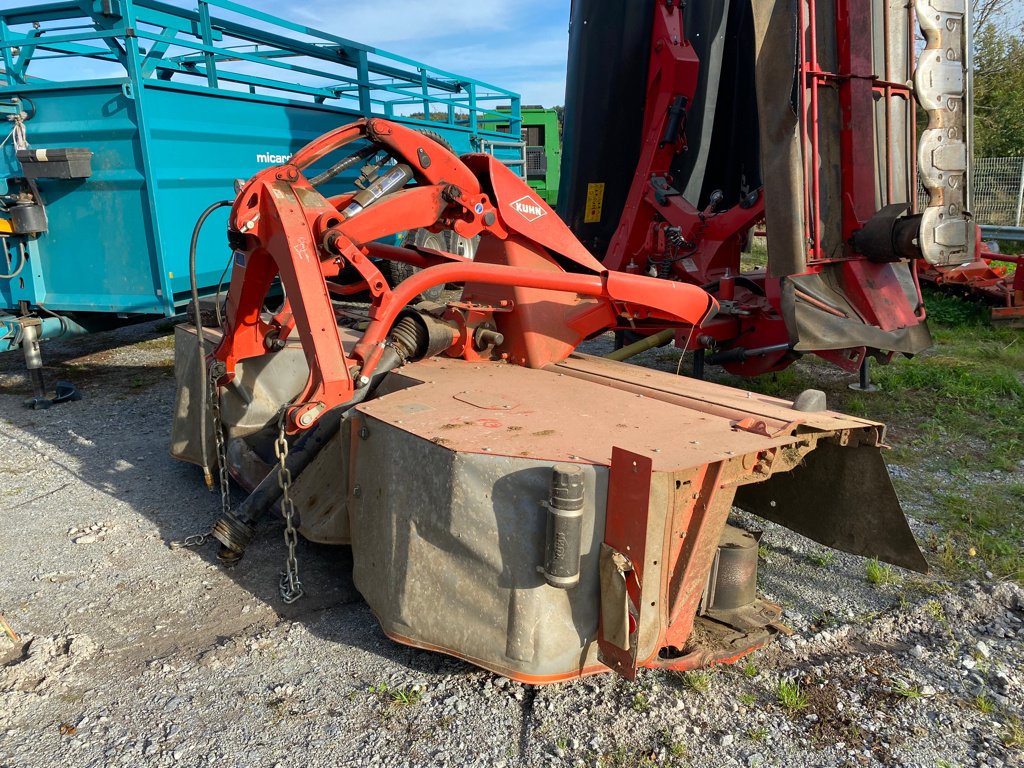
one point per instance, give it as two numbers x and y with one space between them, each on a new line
595 199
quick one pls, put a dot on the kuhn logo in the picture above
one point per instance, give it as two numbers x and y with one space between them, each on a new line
528 208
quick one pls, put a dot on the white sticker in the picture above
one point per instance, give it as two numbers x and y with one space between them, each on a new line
528 208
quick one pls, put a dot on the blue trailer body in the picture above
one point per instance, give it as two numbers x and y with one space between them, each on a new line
188 101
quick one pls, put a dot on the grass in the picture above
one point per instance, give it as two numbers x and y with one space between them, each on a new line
907 690
984 704
749 670
623 757
640 702
397 697
985 523
971 379
790 697
676 749
698 680
632 757
954 412
1012 734
823 559
879 574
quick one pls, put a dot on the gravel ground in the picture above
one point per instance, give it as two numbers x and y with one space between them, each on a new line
133 653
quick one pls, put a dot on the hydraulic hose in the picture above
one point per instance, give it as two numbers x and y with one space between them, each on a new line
346 163
200 338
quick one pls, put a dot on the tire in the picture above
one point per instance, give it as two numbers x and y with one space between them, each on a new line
397 271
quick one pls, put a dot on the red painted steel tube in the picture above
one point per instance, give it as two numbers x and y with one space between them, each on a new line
815 132
677 301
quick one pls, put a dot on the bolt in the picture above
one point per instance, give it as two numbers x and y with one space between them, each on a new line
364 432
364 380
357 491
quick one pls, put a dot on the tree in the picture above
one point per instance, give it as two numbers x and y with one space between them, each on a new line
998 79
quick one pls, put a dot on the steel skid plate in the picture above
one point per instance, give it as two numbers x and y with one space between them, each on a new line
448 469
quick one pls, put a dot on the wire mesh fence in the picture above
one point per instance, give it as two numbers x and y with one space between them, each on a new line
997 190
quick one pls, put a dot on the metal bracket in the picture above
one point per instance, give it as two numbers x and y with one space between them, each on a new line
622 560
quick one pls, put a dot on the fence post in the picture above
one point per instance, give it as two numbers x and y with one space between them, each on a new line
1020 192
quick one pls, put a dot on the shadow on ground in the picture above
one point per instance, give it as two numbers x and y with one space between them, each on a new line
115 440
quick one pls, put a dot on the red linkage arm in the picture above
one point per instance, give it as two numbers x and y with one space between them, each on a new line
282 227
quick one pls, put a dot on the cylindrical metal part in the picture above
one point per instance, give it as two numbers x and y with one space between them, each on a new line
30 328
28 218
30 343
659 339
565 527
727 288
733 579
391 181
739 354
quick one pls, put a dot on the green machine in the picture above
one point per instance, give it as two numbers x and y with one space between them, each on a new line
542 153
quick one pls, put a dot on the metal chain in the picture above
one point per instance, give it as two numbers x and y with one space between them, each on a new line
213 403
290 586
218 437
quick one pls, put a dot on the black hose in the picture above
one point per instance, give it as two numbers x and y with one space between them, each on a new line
220 287
344 164
200 339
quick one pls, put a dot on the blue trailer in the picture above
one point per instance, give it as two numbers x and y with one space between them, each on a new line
124 119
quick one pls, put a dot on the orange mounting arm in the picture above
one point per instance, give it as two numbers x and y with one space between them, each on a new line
528 265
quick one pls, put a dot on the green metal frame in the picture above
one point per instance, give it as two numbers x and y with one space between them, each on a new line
543 121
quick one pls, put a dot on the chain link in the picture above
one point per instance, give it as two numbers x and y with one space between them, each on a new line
213 403
290 586
195 540
218 437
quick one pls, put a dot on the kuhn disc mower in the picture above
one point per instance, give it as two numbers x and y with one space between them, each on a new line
538 512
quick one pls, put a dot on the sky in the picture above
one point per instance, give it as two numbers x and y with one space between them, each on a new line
518 45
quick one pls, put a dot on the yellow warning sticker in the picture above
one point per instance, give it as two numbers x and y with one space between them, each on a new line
595 199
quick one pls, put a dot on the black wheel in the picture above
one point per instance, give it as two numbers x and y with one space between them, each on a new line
397 271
